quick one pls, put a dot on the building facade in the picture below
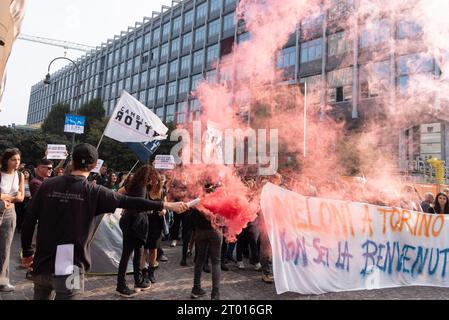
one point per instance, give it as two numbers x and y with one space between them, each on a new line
161 61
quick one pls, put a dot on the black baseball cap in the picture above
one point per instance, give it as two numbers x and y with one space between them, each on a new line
85 155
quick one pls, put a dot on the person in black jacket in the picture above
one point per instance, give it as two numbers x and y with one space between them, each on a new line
208 242
66 208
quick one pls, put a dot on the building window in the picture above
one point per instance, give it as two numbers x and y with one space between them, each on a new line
130 49
135 84
195 110
198 57
229 2
129 67
182 113
186 41
156 36
137 63
201 12
188 18
287 57
143 79
185 63
200 34
166 30
340 85
409 30
213 28
122 70
161 92
160 113
170 113
164 50
128 84
412 65
142 97
215 6
381 35
155 54
212 53
174 46
311 50
145 59
196 79
243 37
338 44
138 44
151 96
183 86
153 74
228 22
173 68
171 91
162 72
147 40
374 79
176 24
339 8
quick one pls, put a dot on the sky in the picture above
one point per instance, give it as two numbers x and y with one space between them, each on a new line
89 22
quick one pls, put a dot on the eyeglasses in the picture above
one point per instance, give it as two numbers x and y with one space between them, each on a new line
48 168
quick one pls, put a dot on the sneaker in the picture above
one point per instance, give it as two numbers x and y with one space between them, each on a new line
173 243
197 293
257 266
240 265
126 292
156 265
7 288
143 286
224 267
206 268
163 258
183 263
267 278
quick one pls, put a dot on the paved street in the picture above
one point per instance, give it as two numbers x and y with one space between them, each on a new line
175 283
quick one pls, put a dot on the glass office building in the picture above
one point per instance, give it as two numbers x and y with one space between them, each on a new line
161 61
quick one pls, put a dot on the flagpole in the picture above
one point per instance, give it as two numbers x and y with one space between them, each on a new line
130 171
101 140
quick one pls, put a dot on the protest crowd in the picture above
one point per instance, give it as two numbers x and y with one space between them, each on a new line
157 209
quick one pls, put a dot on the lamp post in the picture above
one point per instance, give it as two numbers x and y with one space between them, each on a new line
47 81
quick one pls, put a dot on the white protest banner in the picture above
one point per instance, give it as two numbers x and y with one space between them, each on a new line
132 121
98 167
164 162
56 152
322 245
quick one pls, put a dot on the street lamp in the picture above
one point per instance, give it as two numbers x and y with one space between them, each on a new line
47 81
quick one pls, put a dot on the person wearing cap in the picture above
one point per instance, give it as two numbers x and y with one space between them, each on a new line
66 208
43 171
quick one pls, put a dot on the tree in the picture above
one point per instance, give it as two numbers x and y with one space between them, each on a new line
54 123
93 111
31 144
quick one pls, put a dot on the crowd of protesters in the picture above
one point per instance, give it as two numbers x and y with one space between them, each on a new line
161 214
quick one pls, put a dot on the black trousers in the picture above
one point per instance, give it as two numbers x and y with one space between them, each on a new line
208 242
174 230
249 236
130 244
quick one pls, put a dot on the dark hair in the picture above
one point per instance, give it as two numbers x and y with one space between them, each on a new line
141 178
8 154
438 209
44 162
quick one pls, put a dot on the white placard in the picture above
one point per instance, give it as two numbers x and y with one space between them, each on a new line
164 162
64 260
56 152
98 167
